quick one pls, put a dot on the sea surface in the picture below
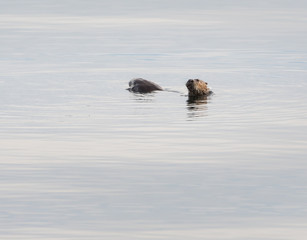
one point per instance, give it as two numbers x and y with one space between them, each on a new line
82 158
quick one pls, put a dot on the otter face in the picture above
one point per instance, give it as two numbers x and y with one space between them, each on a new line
197 87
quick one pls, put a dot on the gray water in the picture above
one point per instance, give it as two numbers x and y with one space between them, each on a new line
83 158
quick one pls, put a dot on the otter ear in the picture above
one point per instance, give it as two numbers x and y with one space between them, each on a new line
206 83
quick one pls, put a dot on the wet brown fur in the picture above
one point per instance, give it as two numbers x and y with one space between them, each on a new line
198 88
140 85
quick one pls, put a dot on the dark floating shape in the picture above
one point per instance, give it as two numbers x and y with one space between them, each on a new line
140 85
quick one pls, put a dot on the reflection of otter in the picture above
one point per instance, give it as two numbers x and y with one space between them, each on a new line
197 106
141 85
197 88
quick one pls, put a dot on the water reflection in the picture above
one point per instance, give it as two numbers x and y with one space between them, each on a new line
197 106
143 97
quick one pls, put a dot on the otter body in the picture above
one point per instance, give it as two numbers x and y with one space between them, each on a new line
141 85
198 88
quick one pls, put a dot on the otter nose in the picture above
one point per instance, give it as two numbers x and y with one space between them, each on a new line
190 80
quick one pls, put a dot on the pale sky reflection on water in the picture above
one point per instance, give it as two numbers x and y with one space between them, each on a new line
83 158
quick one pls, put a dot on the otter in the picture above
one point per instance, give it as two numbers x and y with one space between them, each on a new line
140 85
198 88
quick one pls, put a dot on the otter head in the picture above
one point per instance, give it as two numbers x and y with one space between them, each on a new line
197 88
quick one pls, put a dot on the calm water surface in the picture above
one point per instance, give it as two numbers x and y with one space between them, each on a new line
82 158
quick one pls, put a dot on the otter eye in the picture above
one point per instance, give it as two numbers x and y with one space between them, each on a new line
197 80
